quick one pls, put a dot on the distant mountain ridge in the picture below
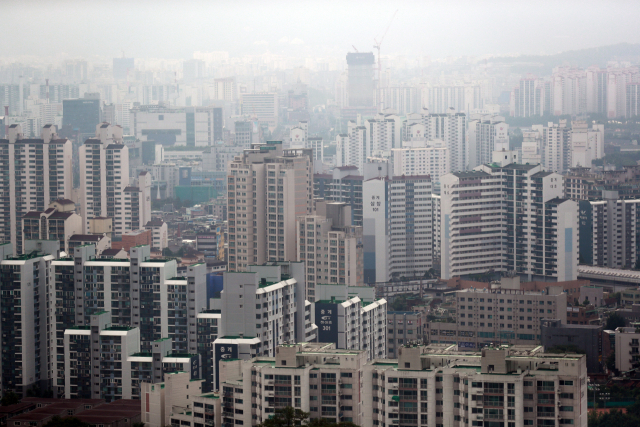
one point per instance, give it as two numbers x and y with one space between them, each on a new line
577 58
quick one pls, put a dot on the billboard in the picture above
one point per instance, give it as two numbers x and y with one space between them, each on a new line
327 322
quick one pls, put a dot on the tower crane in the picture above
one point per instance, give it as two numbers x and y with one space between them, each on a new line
377 46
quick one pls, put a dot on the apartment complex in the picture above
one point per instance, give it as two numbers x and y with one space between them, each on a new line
261 309
352 318
313 377
191 126
35 173
330 246
508 218
486 134
585 184
268 188
530 97
426 385
421 157
450 127
104 361
504 315
351 147
398 221
506 385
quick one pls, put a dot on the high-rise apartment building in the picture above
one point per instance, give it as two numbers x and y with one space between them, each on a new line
225 89
351 147
486 133
508 218
587 144
450 127
528 98
36 172
617 81
397 220
360 79
556 146
384 132
330 246
104 175
609 231
26 320
597 85
261 309
439 99
268 188
569 91
343 185
421 157
633 100
191 126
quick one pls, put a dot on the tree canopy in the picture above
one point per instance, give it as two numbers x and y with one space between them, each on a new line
615 321
10 398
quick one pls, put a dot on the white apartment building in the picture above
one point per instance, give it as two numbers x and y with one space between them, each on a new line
617 81
351 147
160 234
36 172
421 157
529 97
587 144
569 91
330 246
508 218
431 386
262 105
507 385
556 146
262 309
486 133
268 188
627 354
352 318
313 377
450 127
191 126
397 221
384 132
499 315
531 148
225 89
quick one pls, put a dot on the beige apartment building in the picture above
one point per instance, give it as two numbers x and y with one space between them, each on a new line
268 188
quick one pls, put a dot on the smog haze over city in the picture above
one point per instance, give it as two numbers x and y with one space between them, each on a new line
319 213
174 30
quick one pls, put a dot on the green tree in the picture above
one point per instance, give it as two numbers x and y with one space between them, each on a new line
10 398
611 361
58 421
615 321
286 417
323 422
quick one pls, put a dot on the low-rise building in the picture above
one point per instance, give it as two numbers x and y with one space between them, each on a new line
159 234
627 345
404 327
587 338
500 315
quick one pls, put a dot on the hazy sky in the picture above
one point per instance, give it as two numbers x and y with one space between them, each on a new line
174 29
